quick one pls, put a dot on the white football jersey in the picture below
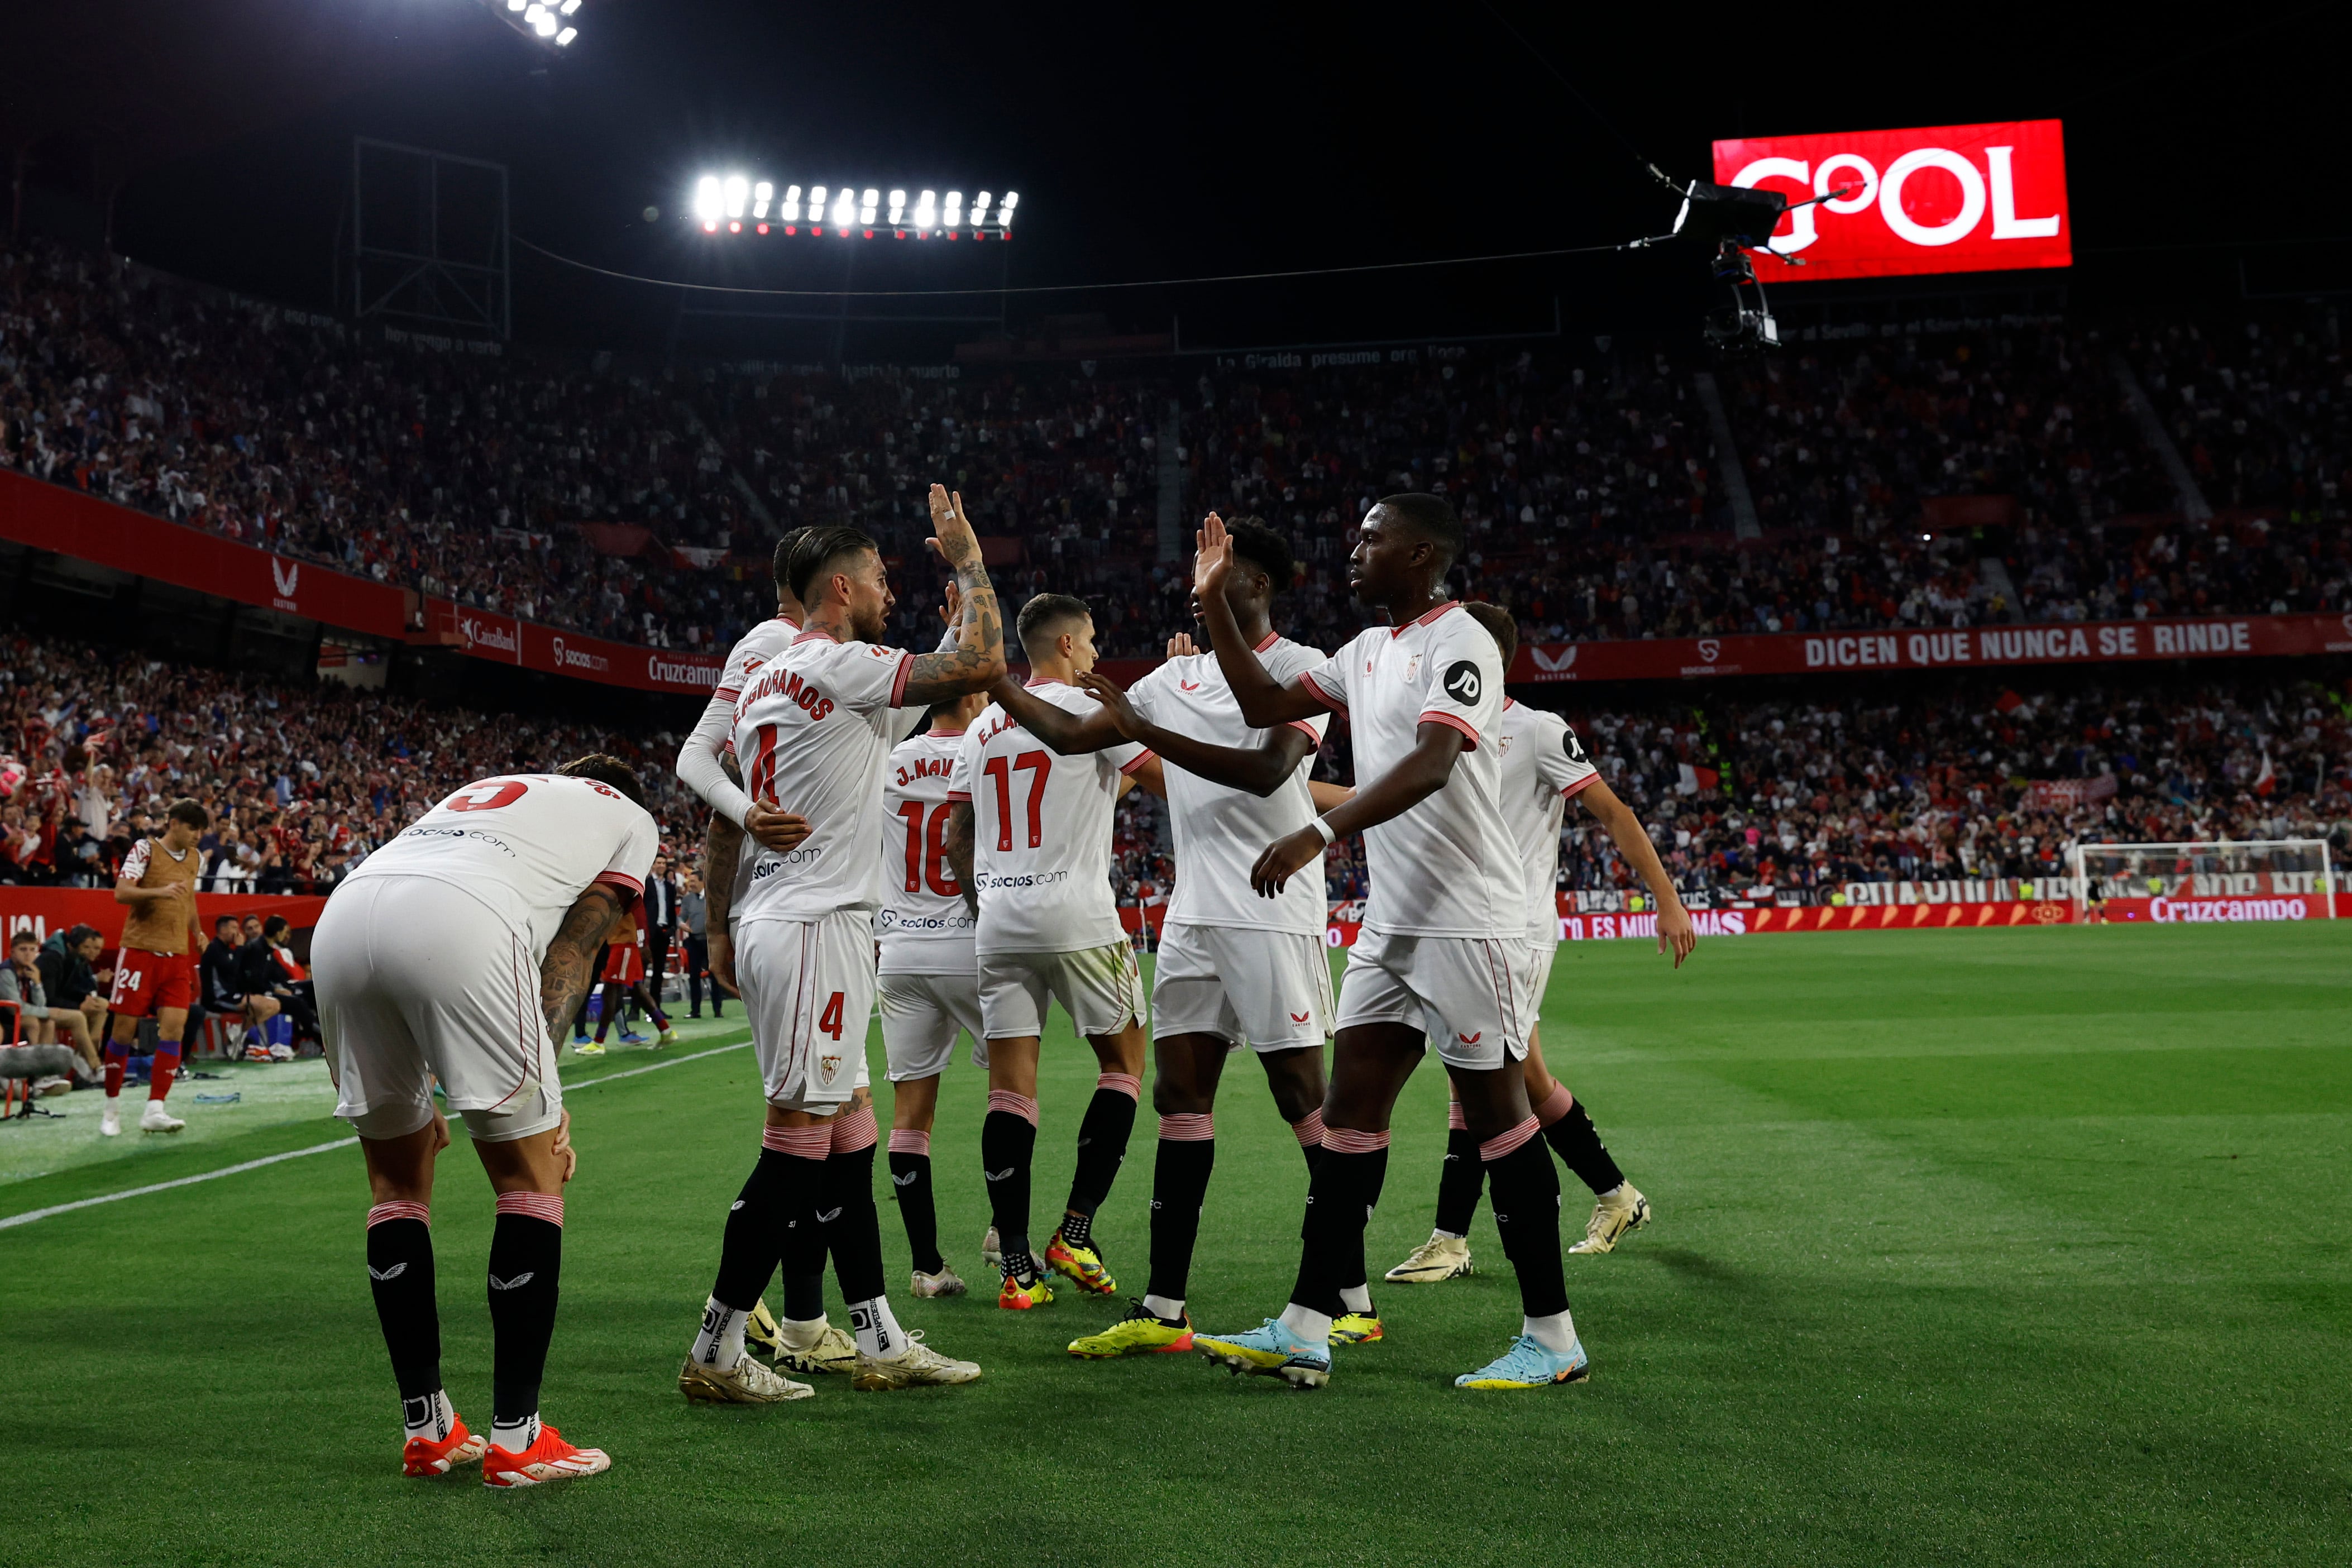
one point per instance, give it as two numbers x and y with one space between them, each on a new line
754 648
1220 832
1041 831
812 729
527 845
1543 764
1447 867
925 926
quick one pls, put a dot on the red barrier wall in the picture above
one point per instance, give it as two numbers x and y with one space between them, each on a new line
48 911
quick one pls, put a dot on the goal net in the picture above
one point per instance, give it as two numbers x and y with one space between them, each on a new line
2259 878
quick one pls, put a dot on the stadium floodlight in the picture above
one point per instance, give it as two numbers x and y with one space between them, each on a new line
569 6
846 209
517 4
565 37
542 21
544 24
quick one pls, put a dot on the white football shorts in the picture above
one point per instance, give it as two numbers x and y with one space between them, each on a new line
920 1015
418 980
1542 950
1268 989
1468 994
1098 987
808 986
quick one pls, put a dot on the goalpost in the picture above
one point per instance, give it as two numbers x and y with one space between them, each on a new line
2221 869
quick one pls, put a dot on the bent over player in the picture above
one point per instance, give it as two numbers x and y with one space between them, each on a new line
1443 952
814 728
458 953
156 975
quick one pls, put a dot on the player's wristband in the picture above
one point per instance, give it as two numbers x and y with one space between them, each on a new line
1322 829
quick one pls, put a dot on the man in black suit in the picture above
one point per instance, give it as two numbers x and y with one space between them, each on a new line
661 927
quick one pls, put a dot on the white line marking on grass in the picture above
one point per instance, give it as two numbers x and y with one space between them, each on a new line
29 1215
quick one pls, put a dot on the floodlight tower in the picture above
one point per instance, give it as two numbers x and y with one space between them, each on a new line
736 204
548 21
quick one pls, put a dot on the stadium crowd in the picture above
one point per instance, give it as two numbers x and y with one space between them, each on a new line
1594 491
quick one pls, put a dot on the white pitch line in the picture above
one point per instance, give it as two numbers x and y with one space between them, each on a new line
29 1215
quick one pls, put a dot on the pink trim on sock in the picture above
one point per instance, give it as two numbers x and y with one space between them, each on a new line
800 1143
909 1140
382 1212
1188 1127
1308 1129
1013 1104
1455 1120
1348 1140
855 1130
548 1206
1124 1083
1504 1143
1556 1104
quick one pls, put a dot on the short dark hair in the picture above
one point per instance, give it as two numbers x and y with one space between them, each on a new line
1432 518
606 770
21 937
1262 547
781 566
1045 614
188 811
819 548
224 920
275 926
1501 626
76 935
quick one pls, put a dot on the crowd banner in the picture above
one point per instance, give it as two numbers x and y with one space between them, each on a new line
1965 647
52 517
44 911
507 640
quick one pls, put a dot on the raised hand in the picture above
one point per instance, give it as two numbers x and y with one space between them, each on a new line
1214 558
774 827
953 607
1181 645
1113 695
952 534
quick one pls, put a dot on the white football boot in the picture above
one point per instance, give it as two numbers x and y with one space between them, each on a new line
916 1366
1442 1256
1624 1210
109 1120
155 1119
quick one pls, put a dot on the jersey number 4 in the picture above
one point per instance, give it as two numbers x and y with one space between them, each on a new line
927 849
1040 767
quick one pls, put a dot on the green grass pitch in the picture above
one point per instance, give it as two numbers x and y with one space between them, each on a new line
1970 1247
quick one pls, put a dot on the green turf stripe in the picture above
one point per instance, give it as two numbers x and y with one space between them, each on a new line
29 1215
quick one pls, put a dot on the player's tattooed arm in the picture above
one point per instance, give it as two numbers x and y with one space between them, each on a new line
977 661
1421 773
722 851
569 970
959 848
1260 770
1265 701
1675 932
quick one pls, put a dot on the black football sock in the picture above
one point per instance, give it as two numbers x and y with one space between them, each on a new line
1353 1283
1459 1183
526 1262
781 1186
1578 1143
400 1275
910 1178
1527 1212
1346 1178
1008 1143
1102 1145
1179 1184
853 1226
